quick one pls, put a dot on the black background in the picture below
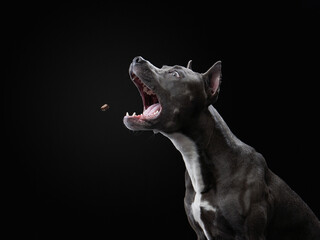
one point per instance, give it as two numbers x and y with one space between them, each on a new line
77 173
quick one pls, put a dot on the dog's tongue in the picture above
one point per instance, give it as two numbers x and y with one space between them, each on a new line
152 110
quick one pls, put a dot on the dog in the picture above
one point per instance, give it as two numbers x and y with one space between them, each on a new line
230 191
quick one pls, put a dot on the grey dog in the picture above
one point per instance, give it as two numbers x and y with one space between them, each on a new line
230 191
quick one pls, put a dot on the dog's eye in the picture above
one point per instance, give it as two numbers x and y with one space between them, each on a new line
175 74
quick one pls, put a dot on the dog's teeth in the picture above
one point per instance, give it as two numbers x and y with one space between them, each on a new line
133 114
127 114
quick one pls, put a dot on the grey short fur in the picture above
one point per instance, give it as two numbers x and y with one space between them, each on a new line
230 191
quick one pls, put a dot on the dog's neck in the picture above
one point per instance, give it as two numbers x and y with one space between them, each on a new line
203 146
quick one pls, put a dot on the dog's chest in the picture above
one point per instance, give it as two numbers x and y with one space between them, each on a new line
203 213
200 209
199 206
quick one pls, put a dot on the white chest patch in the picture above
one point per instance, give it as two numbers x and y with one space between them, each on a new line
188 150
199 206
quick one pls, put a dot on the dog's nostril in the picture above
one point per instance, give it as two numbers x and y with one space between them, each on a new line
138 59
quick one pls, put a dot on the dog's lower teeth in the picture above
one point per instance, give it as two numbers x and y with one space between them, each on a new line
133 114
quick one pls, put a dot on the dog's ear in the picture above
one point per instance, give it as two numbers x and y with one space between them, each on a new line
212 80
189 65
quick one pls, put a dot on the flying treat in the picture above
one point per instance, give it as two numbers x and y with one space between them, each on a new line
104 107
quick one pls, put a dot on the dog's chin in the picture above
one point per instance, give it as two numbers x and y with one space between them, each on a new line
144 121
137 124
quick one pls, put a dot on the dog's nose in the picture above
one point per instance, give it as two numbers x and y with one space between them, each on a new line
138 60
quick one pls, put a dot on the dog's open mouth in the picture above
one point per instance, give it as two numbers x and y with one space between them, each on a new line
151 105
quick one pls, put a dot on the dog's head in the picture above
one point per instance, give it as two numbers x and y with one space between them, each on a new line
171 96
